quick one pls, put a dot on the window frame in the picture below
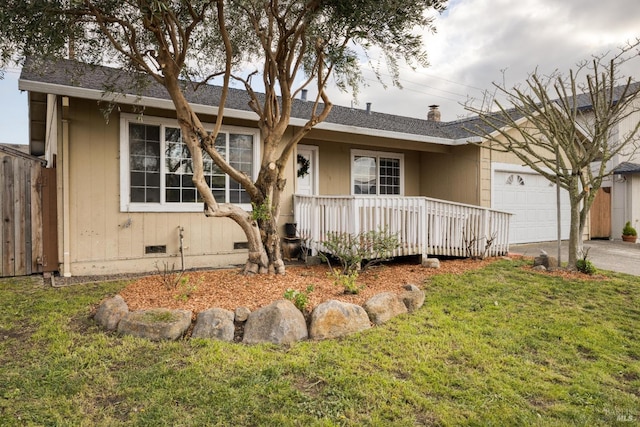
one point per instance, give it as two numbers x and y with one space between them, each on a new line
163 206
377 155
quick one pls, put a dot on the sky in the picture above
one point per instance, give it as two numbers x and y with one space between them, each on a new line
477 42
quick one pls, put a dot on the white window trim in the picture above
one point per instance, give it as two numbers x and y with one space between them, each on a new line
377 154
127 206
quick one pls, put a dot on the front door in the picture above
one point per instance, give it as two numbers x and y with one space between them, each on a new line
307 170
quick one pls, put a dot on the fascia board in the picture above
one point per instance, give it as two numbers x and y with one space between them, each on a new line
98 95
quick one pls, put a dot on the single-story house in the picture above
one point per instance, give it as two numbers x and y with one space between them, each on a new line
125 200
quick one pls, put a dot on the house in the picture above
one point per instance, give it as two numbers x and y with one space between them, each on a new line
618 199
126 203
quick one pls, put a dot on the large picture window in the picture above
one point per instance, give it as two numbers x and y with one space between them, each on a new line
157 169
376 173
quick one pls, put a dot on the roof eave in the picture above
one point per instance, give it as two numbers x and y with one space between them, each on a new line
150 102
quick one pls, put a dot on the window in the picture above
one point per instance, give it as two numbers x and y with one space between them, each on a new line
157 170
376 173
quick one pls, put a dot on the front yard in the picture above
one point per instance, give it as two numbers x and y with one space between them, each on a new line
501 345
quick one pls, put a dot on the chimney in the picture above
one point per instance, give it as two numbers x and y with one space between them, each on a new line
434 114
368 108
303 94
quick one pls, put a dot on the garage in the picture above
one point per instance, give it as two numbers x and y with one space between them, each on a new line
531 199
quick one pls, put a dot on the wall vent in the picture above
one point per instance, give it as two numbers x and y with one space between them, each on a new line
155 249
240 245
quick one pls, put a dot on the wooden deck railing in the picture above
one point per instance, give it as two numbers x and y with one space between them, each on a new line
423 225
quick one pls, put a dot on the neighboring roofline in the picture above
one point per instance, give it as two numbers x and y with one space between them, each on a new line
17 153
166 104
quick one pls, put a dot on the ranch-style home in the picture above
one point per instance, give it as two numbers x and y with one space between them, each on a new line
126 203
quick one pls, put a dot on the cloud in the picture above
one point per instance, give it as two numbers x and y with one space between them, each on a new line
482 41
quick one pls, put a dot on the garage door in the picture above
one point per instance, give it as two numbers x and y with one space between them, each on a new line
531 199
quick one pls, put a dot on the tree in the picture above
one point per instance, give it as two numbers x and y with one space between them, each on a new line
293 44
567 129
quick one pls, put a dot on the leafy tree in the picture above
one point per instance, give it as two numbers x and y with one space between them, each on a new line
567 128
293 44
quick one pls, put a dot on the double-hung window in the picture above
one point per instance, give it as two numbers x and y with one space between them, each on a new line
376 173
157 169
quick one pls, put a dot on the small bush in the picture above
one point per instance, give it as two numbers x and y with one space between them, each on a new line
299 299
628 230
585 266
352 249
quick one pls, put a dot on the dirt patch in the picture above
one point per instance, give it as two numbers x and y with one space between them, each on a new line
228 289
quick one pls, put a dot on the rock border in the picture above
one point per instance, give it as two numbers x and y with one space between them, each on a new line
278 323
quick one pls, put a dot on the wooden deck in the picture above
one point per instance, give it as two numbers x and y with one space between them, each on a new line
424 226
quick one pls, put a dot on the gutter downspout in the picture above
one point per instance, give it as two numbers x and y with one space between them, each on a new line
66 234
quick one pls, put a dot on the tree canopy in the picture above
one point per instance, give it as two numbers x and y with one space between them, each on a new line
273 48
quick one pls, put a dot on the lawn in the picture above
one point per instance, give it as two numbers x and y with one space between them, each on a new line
502 345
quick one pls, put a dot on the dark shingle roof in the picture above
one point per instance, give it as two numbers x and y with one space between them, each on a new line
104 79
626 168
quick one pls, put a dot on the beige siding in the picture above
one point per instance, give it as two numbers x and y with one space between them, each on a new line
452 176
103 239
335 167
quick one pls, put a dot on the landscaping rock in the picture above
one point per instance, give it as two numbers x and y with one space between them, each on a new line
278 323
540 268
242 314
547 261
384 306
412 297
431 262
156 324
333 319
110 312
216 323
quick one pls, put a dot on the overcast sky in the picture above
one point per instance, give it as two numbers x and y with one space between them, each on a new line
475 41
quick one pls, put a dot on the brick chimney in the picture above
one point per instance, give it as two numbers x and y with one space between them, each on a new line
434 114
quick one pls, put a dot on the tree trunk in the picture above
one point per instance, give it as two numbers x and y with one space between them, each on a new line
575 232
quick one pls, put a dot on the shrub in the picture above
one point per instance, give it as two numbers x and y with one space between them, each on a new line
351 250
584 265
299 299
628 230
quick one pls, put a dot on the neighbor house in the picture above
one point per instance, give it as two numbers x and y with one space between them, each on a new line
125 200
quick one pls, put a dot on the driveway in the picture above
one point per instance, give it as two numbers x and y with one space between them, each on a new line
614 255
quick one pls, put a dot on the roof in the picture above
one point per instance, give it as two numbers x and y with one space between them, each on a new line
71 78
22 151
625 168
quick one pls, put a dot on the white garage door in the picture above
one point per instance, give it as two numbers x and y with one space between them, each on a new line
531 199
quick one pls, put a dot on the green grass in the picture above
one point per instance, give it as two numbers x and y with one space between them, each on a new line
498 346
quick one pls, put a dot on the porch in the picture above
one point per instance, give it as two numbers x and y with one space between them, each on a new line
424 226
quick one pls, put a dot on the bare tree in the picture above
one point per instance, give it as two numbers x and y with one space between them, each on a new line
567 128
292 44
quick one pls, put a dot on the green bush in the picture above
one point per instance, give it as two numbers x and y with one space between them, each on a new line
585 266
352 249
628 230
299 299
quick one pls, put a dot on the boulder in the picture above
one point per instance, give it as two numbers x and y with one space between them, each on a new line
412 297
242 314
156 324
279 323
384 306
430 262
333 319
110 312
216 323
545 260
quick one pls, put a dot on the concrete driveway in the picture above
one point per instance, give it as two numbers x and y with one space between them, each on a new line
614 255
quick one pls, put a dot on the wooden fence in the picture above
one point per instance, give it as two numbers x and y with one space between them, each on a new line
27 200
424 226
